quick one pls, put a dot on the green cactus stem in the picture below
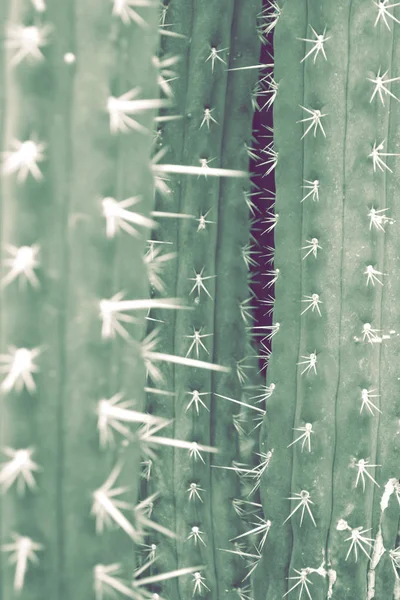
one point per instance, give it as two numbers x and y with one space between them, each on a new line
331 488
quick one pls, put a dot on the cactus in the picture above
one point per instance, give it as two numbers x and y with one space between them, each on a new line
76 197
207 254
331 489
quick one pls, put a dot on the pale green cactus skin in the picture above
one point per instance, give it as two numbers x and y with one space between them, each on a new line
62 99
346 427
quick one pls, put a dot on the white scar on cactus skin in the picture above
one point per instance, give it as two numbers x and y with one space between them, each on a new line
23 159
22 264
124 9
19 366
390 488
376 156
315 119
379 549
106 508
27 42
18 470
120 108
383 12
118 217
113 413
23 551
111 312
318 45
357 538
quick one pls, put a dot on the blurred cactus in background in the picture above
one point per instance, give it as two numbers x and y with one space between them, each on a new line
331 491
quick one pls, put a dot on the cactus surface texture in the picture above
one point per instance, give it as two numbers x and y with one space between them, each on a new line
331 490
